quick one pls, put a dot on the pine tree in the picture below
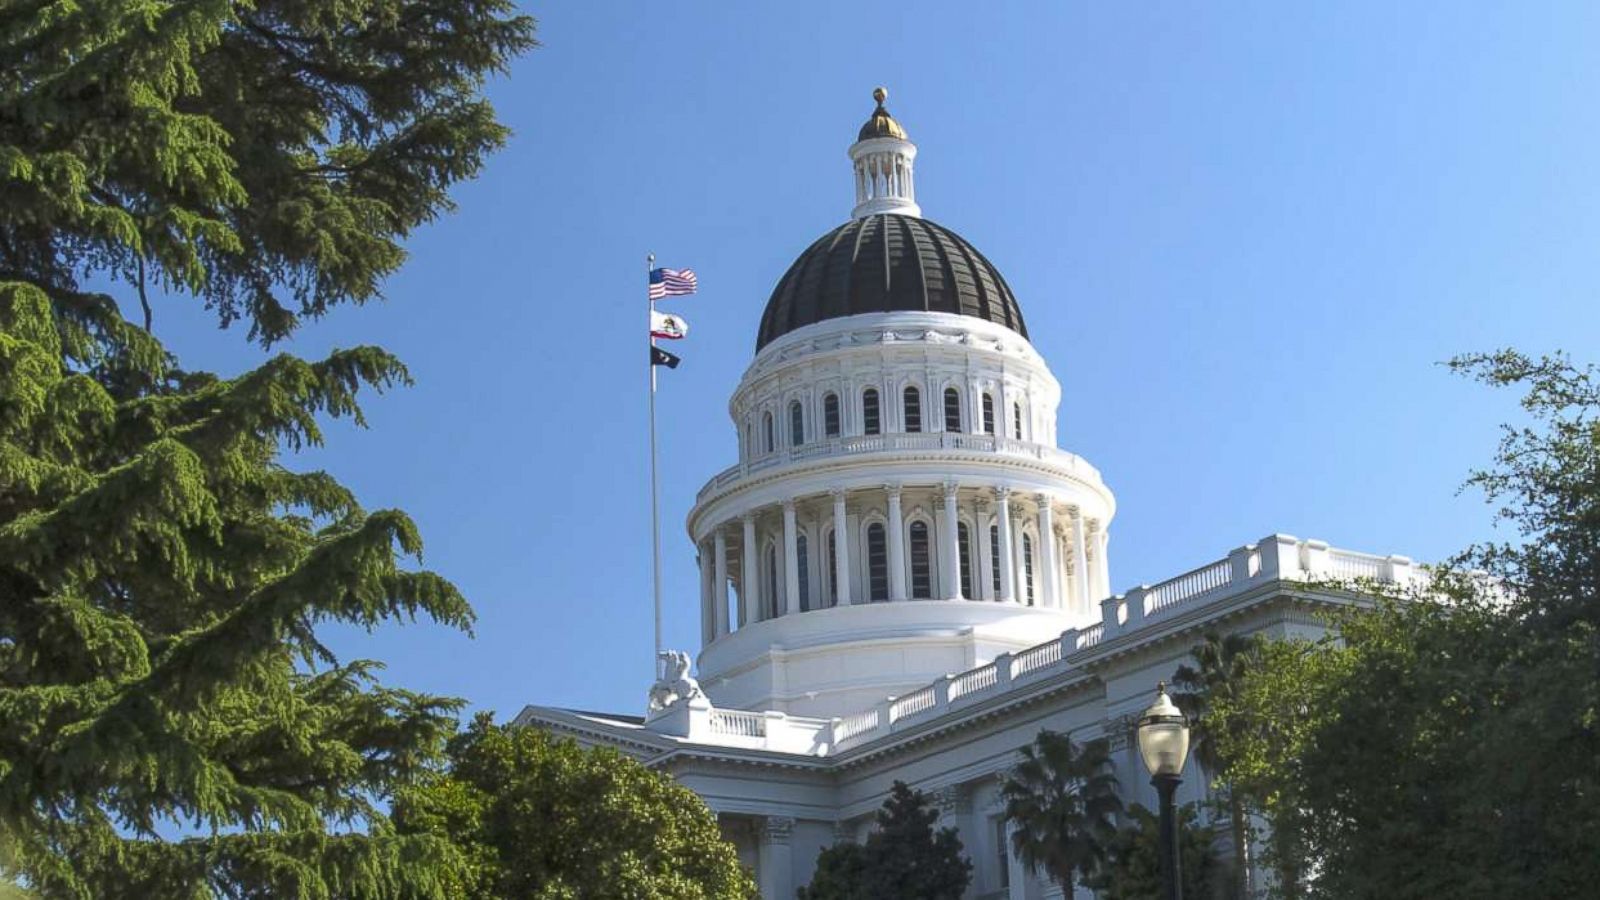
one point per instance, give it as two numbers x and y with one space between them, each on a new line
170 723
904 858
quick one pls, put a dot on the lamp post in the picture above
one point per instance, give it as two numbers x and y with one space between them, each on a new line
1164 745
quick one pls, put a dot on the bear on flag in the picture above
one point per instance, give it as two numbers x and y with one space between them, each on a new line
667 325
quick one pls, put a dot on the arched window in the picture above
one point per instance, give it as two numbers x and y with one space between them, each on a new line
1016 420
995 561
767 439
921 563
770 602
988 414
797 424
964 554
952 409
830 415
802 554
913 410
833 572
869 411
1027 568
877 562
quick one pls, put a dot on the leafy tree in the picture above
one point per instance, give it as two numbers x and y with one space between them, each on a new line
1133 867
1449 743
1263 727
905 857
170 723
1220 664
540 817
1062 799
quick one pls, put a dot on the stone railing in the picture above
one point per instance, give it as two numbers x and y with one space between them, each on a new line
696 720
738 723
857 445
1278 557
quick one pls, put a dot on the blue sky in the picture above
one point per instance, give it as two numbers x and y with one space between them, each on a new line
1243 235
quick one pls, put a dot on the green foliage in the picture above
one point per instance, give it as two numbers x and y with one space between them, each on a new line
170 724
1449 744
1133 867
1062 798
1263 726
266 156
539 817
1220 665
905 857
164 577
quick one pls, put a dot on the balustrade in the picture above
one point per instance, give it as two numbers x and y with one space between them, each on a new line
995 678
738 723
891 443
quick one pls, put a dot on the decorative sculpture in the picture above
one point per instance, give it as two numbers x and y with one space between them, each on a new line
674 685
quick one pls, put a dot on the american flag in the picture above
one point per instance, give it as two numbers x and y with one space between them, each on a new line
671 282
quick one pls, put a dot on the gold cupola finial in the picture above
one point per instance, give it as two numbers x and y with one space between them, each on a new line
881 125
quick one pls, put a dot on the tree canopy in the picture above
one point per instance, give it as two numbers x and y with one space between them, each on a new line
540 817
904 857
266 157
170 723
1448 744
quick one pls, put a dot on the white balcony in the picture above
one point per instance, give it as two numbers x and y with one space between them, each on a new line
957 444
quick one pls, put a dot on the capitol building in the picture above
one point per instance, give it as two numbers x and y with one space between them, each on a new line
904 577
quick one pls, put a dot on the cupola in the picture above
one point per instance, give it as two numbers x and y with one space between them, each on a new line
883 156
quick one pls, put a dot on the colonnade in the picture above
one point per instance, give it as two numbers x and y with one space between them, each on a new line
884 174
944 541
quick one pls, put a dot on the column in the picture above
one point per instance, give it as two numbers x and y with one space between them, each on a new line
791 560
1087 598
775 858
897 545
841 550
1017 874
951 547
1102 565
719 591
975 416
954 805
1018 563
708 614
749 576
982 560
1007 560
1045 566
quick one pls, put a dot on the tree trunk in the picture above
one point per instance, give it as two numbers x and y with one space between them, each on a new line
1241 849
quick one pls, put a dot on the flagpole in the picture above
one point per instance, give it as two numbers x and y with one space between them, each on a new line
655 501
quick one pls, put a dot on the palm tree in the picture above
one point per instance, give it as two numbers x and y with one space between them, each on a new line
1062 800
1220 667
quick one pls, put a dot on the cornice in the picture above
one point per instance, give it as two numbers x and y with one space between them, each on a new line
890 459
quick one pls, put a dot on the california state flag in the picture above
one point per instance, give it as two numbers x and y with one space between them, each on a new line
667 325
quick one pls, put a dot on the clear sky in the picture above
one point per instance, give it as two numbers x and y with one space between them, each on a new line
1243 236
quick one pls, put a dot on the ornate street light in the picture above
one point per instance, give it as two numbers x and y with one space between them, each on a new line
1164 744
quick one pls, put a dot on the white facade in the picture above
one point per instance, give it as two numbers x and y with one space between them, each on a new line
967 605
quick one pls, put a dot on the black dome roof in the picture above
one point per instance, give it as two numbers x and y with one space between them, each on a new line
888 262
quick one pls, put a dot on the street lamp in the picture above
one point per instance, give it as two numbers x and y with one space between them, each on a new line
1164 744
